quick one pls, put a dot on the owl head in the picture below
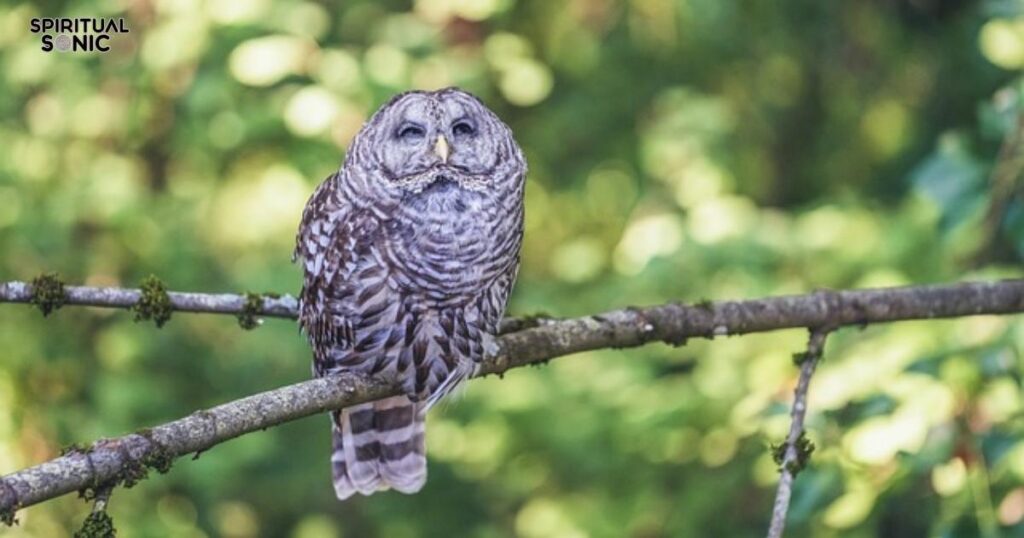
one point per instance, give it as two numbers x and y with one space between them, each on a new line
422 138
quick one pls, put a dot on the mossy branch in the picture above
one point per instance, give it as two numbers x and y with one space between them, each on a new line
247 318
98 523
48 293
804 448
793 454
154 303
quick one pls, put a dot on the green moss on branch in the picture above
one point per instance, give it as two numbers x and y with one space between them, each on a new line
48 292
7 517
97 525
804 448
154 302
247 318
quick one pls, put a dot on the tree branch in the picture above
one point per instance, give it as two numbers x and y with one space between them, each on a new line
284 306
271 305
794 452
118 460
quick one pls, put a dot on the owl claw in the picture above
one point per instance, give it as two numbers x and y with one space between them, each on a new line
491 345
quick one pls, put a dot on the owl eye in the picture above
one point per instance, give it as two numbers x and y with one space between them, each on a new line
411 132
463 128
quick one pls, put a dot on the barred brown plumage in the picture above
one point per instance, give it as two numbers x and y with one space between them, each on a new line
410 252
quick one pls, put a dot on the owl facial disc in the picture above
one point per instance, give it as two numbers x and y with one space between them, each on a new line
441 135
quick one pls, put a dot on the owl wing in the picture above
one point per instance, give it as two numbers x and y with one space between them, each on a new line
313 216
328 241
375 444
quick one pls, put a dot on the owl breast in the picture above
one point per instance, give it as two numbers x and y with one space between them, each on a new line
449 243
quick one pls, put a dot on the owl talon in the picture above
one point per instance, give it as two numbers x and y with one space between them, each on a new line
491 346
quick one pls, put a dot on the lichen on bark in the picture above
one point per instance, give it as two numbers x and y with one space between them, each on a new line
48 292
154 302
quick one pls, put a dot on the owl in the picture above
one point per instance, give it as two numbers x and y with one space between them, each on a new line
410 252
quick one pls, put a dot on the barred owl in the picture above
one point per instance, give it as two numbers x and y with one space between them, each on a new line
410 251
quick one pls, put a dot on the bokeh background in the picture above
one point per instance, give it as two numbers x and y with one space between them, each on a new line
679 150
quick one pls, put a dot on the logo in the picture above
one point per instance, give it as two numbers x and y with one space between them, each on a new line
79 34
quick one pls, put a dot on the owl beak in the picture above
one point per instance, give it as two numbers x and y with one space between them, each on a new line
442 149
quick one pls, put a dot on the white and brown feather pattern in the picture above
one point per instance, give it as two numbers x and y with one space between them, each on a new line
410 252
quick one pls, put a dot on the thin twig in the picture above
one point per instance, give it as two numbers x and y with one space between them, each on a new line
284 306
98 523
107 460
796 449
99 503
272 305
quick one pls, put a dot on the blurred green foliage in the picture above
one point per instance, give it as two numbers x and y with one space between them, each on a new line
679 150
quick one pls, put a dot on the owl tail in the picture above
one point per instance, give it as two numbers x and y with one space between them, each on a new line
379 445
